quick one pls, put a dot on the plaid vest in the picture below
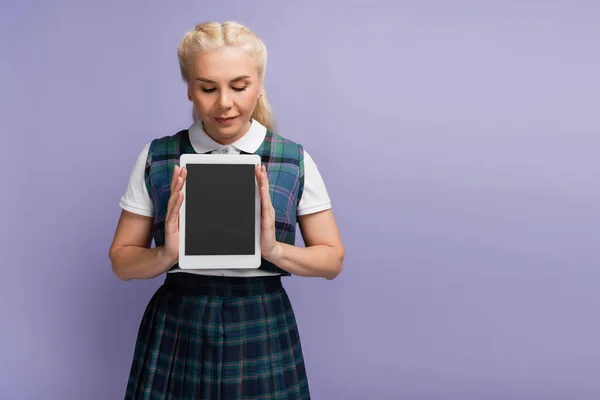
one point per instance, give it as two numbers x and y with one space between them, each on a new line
283 160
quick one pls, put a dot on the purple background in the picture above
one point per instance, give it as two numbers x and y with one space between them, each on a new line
460 145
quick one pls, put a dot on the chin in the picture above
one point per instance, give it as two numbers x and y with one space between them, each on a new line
228 131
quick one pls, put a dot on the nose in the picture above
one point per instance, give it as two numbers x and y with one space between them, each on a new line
224 99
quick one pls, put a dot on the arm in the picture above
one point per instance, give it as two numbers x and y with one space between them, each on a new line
324 252
130 252
323 255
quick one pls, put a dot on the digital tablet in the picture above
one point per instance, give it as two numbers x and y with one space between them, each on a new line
219 219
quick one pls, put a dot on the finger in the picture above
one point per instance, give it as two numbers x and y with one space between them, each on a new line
176 186
183 173
174 192
265 176
265 201
265 182
259 180
267 210
176 198
258 173
176 208
268 196
176 171
172 186
177 183
173 213
260 177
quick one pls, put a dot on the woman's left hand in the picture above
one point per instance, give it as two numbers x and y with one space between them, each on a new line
268 244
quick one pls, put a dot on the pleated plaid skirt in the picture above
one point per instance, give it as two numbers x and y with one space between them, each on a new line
207 338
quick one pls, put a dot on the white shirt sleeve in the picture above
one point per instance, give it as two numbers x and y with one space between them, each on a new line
136 198
314 197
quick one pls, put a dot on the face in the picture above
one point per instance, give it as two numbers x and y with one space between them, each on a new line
224 86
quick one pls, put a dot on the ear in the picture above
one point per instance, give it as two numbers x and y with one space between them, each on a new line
189 93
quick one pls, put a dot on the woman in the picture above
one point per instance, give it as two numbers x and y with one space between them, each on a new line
223 334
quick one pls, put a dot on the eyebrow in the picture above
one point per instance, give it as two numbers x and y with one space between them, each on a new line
239 78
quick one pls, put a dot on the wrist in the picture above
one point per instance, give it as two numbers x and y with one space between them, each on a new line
276 254
166 261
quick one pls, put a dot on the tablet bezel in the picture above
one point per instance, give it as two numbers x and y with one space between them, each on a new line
220 261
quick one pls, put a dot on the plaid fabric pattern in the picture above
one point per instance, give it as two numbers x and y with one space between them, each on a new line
283 160
218 338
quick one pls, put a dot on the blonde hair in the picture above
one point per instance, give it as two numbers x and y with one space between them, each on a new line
210 36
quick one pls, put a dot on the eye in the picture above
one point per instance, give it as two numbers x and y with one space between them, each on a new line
238 89
205 90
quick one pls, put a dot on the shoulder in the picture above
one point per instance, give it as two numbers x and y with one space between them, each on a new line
277 138
307 162
165 142
159 142
156 147
287 147
304 155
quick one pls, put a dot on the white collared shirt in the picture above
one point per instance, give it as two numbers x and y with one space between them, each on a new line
136 198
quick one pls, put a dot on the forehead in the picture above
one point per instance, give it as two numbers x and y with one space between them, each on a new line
223 64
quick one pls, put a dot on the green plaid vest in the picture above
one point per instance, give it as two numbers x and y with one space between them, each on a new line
284 162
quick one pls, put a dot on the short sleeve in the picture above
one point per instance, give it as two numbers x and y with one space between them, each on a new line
136 198
314 196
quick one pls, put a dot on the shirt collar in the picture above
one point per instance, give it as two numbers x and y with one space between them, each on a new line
249 143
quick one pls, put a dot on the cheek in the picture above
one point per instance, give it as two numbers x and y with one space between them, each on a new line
247 102
202 104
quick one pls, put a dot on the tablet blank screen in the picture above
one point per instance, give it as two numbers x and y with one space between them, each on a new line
220 209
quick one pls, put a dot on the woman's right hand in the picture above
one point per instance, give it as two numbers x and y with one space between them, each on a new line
171 247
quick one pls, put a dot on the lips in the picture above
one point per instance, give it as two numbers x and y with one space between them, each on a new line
224 120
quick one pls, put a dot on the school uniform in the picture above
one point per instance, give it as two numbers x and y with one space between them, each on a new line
222 334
